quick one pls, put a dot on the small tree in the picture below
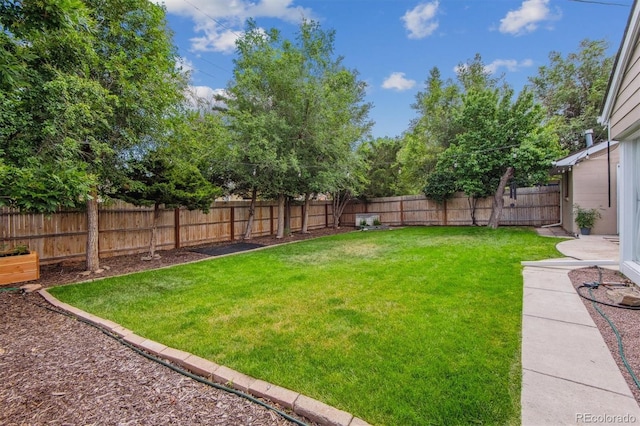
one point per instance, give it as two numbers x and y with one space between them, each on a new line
162 179
502 140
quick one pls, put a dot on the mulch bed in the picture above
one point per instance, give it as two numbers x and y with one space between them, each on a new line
626 321
57 370
227 249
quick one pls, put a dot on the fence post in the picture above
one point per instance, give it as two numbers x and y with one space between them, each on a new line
233 223
176 227
401 212
445 212
326 215
271 220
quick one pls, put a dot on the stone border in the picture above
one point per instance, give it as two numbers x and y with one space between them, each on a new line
302 405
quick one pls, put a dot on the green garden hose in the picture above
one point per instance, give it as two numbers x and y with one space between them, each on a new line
594 302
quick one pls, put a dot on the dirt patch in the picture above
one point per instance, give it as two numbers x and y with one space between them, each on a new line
626 321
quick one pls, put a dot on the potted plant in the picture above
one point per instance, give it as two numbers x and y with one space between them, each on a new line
585 218
18 264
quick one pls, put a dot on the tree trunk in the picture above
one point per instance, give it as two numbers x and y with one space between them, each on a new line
305 214
473 201
498 199
280 231
340 201
252 213
287 216
154 231
93 254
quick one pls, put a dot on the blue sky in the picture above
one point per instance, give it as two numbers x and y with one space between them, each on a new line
394 43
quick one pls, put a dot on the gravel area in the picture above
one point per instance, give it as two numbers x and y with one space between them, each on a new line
626 321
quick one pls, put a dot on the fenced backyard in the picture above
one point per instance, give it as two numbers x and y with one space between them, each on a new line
125 229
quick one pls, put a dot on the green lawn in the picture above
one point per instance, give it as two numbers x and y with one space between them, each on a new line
414 326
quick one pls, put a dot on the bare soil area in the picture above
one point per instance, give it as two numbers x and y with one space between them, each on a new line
626 321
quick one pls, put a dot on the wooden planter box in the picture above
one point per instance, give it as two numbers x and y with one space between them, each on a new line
16 269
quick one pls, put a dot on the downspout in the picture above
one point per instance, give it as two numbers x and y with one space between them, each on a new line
609 163
609 169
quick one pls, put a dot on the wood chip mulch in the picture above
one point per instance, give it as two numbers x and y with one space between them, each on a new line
626 321
57 370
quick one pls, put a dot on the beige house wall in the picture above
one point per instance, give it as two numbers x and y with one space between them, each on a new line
566 198
590 186
626 109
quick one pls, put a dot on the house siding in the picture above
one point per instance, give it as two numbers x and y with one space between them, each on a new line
621 112
626 109
590 186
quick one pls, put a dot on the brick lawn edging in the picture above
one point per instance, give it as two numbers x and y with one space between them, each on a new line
302 405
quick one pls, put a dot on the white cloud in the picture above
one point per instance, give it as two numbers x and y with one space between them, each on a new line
203 96
420 21
527 18
510 64
397 81
215 39
221 21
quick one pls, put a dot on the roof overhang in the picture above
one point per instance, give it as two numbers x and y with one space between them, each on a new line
566 164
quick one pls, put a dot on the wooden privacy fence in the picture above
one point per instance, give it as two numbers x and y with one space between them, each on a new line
126 229
534 206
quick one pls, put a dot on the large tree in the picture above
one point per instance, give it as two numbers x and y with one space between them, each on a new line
295 112
384 171
572 88
435 127
85 83
165 176
431 132
49 105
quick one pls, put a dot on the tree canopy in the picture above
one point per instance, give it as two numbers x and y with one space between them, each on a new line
500 135
86 83
295 113
480 137
572 89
